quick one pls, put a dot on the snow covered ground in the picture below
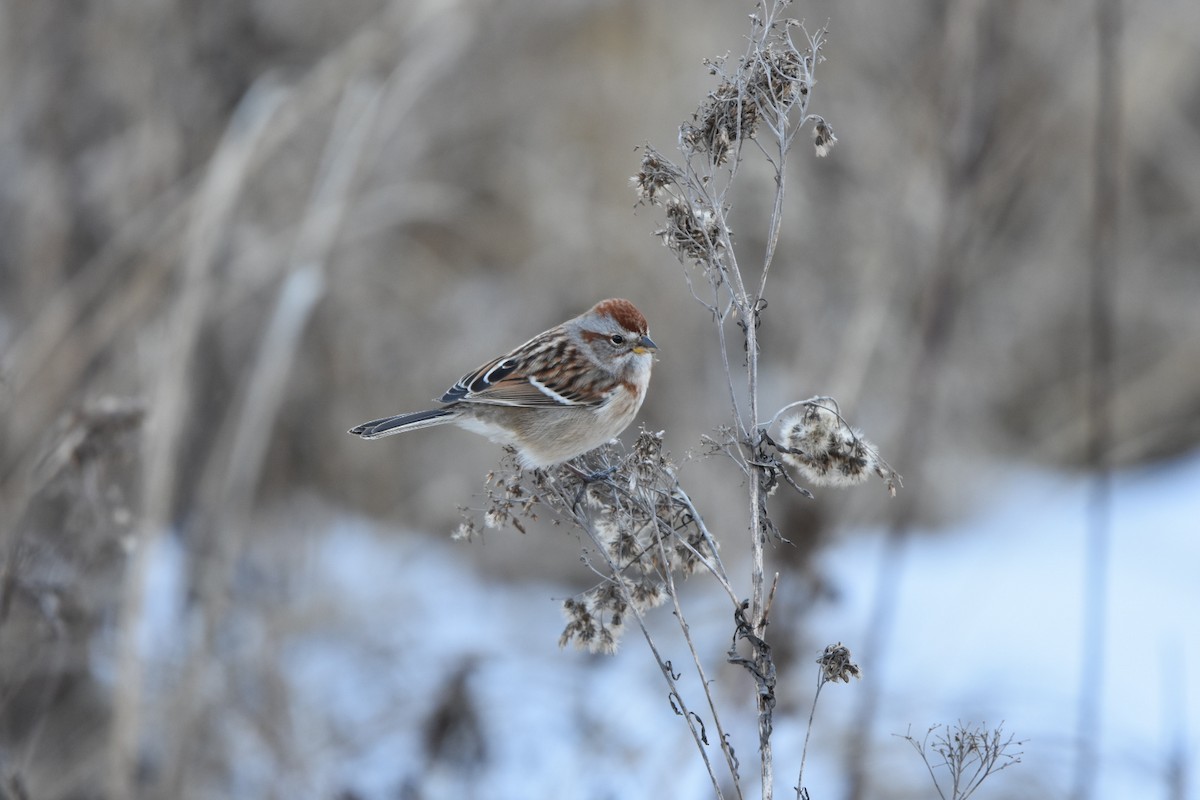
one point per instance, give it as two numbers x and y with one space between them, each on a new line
987 628
988 625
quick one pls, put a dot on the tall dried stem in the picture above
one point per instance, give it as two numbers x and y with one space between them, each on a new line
632 505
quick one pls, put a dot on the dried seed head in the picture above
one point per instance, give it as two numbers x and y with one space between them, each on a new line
596 622
766 87
836 664
725 117
778 80
581 625
692 233
826 451
823 138
657 177
647 595
465 531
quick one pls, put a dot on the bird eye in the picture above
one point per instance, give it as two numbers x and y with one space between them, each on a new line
617 338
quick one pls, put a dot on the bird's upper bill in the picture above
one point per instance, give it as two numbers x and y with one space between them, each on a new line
644 345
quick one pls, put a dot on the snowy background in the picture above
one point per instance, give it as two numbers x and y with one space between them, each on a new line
402 637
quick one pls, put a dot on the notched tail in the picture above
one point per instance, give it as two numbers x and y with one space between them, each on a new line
386 426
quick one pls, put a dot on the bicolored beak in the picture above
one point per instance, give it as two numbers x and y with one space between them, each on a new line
644 345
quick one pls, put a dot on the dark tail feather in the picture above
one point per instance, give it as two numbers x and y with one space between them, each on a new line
402 422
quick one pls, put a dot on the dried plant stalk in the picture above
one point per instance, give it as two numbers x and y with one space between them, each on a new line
644 529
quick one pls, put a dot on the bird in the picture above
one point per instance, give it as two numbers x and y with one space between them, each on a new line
564 392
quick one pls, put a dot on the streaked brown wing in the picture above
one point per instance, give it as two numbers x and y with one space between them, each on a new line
501 382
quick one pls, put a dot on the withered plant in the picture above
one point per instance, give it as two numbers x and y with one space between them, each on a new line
645 530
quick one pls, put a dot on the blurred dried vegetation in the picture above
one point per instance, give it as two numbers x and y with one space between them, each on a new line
229 229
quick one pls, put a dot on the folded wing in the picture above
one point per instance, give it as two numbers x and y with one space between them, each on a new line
500 382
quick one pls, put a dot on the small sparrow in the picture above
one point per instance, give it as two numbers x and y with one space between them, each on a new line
559 395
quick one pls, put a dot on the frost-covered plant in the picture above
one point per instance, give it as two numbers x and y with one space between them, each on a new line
644 529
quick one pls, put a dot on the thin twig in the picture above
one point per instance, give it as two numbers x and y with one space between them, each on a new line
812 712
726 748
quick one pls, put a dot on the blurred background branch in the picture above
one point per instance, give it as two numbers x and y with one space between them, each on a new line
1104 268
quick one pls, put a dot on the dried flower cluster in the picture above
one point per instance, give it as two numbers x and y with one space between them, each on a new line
836 664
826 451
969 755
638 517
693 232
774 81
766 86
509 502
596 620
657 176
726 117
